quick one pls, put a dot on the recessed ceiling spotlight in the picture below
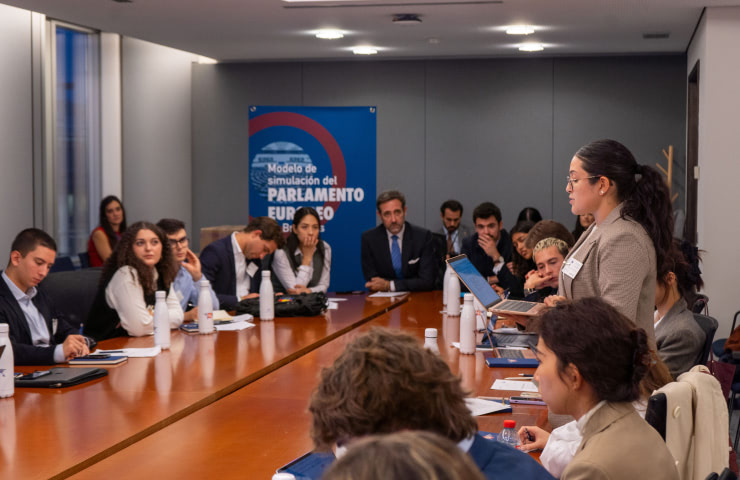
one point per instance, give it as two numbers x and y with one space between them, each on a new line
519 29
406 19
329 34
364 50
433 41
531 47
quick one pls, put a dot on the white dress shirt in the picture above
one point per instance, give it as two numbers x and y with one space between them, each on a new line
125 295
243 278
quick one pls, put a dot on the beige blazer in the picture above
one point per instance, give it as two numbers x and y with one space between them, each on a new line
619 445
619 266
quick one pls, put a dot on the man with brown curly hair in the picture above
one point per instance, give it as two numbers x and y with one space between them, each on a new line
385 382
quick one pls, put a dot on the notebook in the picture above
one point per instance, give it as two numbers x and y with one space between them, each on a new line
310 466
485 294
62 377
98 359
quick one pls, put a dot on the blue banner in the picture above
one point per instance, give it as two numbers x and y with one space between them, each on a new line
321 157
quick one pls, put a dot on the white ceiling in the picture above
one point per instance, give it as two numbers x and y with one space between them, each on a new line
231 30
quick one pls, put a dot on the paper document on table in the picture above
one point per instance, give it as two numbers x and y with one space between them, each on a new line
332 306
234 326
479 348
387 294
244 317
221 315
479 406
337 299
516 385
135 352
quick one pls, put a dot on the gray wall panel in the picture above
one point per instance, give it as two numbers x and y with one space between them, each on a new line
156 96
221 98
489 136
639 101
16 127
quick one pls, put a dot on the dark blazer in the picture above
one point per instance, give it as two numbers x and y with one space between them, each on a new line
24 352
480 259
417 258
217 264
498 461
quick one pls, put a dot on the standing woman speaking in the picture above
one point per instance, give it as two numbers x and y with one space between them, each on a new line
617 257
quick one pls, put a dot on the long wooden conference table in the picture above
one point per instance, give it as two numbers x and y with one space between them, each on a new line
230 405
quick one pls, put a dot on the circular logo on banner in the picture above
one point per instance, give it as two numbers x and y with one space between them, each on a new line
279 160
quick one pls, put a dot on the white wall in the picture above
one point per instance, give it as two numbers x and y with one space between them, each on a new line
16 126
156 109
715 46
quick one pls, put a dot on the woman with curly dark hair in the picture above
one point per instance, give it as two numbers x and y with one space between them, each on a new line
111 225
618 256
141 264
592 361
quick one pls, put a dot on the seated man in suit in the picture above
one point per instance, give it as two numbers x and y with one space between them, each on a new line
189 273
234 264
452 227
490 247
397 256
38 335
387 382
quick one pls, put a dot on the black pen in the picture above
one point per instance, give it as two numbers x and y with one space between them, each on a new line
530 437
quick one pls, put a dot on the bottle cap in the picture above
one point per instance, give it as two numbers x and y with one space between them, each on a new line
283 476
265 274
204 282
509 423
468 297
4 328
430 333
160 294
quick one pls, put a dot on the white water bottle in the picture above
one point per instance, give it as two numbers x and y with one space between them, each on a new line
267 297
445 285
205 308
453 296
161 321
430 340
7 383
467 326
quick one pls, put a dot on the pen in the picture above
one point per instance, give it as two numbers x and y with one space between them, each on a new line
521 379
530 437
82 328
110 351
527 375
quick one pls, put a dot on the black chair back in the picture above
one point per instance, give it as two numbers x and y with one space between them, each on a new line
655 414
72 293
709 326
62 264
701 304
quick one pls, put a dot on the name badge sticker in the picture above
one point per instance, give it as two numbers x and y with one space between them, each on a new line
571 267
252 269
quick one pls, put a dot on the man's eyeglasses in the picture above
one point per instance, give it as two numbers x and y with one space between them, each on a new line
182 242
573 181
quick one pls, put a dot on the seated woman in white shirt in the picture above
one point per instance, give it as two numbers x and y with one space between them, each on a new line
303 265
141 264
592 361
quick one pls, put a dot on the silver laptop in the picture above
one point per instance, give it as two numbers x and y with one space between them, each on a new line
485 294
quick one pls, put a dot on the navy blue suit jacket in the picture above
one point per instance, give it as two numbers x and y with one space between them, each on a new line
502 462
417 258
24 351
480 259
217 264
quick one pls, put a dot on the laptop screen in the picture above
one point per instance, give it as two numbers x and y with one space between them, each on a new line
475 282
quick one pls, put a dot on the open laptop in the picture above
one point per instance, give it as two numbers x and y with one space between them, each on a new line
485 294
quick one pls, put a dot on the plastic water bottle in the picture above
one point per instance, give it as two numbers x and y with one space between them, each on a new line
7 383
205 308
508 434
453 296
467 326
445 285
161 321
267 297
430 340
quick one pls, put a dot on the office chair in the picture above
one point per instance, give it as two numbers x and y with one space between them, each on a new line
725 475
73 292
62 264
709 326
701 304
718 346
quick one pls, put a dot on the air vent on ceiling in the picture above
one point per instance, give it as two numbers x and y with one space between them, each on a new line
406 19
124 1
655 35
